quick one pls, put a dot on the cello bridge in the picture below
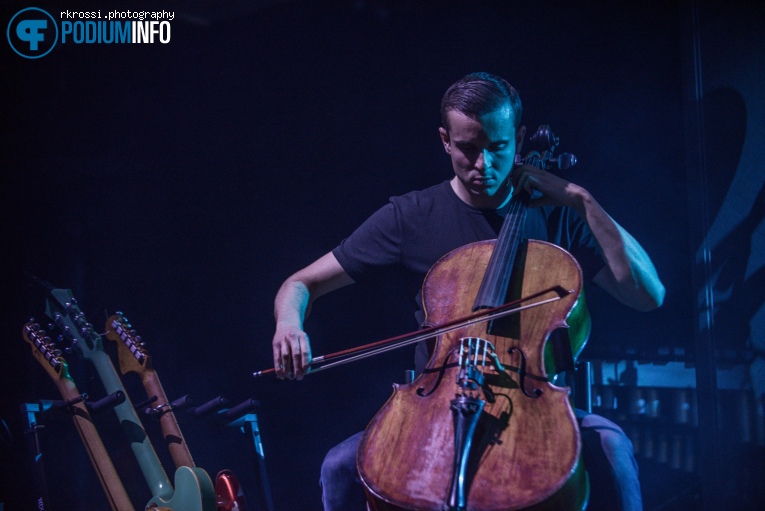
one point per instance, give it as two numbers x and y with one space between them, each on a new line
475 353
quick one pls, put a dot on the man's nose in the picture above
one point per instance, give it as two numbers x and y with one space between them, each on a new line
483 160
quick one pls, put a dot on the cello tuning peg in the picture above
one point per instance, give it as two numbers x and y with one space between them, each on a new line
566 160
562 162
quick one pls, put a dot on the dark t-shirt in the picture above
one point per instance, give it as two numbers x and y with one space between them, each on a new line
404 238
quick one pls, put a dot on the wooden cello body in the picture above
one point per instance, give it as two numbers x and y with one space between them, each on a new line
483 429
525 452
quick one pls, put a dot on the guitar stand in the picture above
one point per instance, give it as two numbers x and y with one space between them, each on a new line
242 417
31 412
248 425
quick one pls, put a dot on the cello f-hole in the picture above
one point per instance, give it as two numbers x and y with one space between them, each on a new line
535 393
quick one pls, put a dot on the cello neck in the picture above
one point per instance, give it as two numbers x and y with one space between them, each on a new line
496 280
493 290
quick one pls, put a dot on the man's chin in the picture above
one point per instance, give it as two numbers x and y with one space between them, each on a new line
486 192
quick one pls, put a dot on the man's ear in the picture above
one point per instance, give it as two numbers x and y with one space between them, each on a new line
445 140
520 134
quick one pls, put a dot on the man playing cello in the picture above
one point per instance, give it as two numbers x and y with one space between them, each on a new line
482 133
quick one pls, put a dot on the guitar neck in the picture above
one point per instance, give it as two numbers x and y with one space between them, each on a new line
133 357
171 432
99 457
193 488
151 467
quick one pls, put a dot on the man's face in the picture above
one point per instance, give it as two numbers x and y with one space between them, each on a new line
482 151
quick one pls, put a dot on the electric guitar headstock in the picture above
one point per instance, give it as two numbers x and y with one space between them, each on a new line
131 350
45 351
65 313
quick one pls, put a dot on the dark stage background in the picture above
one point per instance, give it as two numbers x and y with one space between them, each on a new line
182 183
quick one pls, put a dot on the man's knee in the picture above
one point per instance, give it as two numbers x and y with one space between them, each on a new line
615 443
341 458
333 462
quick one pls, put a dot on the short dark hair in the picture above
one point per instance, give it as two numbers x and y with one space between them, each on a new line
478 94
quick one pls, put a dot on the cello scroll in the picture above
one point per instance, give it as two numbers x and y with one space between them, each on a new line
543 143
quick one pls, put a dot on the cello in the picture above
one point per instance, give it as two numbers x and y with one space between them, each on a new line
483 428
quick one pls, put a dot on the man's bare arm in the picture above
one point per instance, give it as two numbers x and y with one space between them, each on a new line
291 346
629 274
